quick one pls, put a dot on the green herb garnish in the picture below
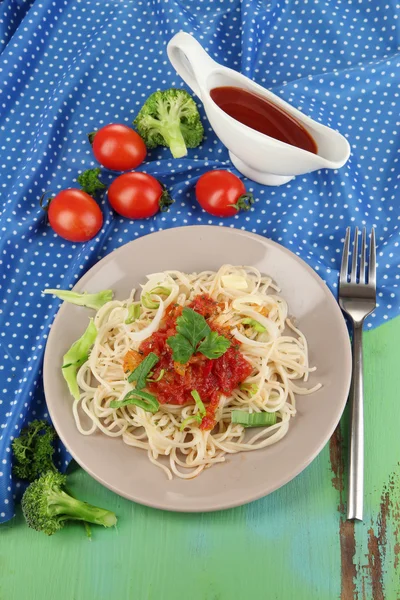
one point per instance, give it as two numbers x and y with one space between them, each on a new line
192 326
182 348
214 345
195 335
138 398
141 372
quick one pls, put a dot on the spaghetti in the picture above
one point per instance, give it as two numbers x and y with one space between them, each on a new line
243 306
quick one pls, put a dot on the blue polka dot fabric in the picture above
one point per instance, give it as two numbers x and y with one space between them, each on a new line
67 67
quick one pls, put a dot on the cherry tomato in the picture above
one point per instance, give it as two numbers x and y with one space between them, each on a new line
138 195
74 215
222 194
118 147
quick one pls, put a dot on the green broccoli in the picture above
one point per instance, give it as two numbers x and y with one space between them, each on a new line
170 118
33 450
90 182
46 506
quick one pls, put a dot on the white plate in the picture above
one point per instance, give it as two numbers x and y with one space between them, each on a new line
243 477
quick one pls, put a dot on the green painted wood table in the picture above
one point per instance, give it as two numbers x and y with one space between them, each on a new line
294 544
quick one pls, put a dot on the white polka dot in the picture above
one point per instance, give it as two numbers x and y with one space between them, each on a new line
67 71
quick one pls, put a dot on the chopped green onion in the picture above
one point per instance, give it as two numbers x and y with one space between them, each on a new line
161 291
255 325
138 398
133 313
251 388
186 421
142 370
149 303
199 403
161 375
259 419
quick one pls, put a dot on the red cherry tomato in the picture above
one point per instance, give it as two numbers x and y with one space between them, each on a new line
118 147
138 195
74 215
222 194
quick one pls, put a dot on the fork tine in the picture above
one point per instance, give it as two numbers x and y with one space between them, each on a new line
372 260
363 254
345 257
353 276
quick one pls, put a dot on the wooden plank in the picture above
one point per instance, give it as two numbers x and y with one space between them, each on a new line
294 543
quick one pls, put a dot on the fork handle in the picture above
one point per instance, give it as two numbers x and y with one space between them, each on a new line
356 432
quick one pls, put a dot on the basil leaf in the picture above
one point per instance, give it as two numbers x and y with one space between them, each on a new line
192 326
182 348
141 372
192 329
214 345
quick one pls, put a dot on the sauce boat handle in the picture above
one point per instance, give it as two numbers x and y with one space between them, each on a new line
190 60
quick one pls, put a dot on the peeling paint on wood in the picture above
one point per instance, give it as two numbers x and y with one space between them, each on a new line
394 485
337 464
346 528
359 580
348 567
375 565
377 549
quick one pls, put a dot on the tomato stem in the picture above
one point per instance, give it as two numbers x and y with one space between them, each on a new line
91 137
41 201
244 202
165 200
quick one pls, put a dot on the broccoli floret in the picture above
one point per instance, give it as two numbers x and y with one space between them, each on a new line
90 182
46 506
33 450
170 118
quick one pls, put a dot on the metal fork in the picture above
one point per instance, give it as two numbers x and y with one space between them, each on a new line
357 299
